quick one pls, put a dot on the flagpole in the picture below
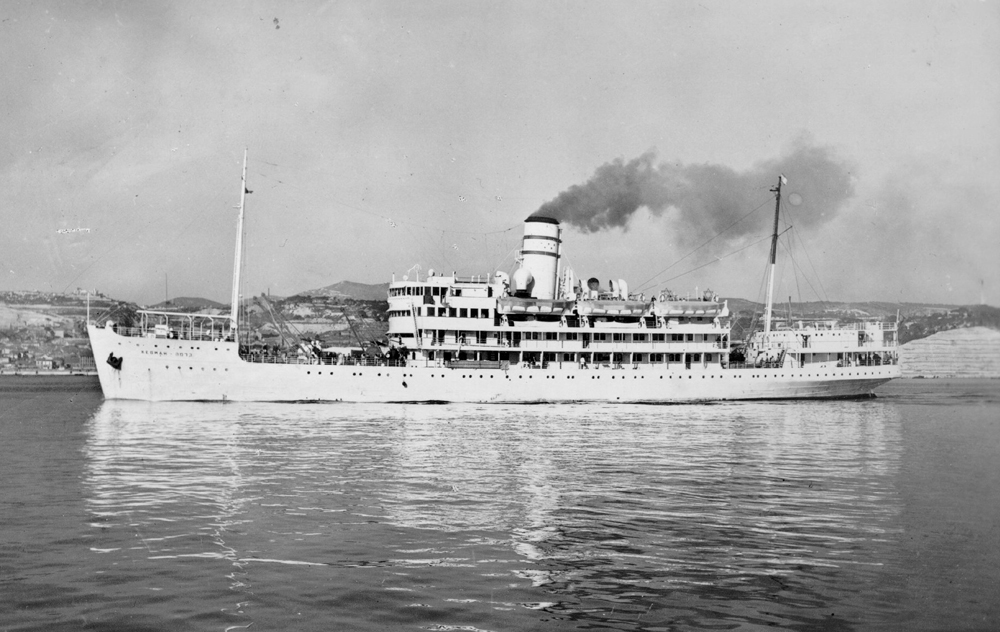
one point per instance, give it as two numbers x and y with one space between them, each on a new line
237 261
768 308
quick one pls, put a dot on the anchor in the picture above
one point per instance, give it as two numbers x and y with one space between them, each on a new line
116 363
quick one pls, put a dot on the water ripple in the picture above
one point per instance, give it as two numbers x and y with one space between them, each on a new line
470 517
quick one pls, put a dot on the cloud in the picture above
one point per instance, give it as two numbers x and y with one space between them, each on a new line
923 233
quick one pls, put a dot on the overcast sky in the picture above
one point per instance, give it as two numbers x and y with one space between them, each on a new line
387 134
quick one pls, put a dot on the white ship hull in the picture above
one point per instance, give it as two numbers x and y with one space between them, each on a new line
158 369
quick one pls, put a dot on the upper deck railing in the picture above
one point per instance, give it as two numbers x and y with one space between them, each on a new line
827 325
175 326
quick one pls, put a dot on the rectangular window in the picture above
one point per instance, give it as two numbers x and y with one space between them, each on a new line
452 312
463 312
600 337
659 337
619 337
639 337
551 335
474 312
571 335
481 337
567 357
676 337
690 337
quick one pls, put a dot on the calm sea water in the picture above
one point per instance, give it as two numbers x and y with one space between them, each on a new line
835 515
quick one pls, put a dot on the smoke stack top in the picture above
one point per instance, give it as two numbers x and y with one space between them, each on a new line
542 219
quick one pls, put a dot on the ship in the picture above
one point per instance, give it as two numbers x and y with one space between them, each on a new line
534 334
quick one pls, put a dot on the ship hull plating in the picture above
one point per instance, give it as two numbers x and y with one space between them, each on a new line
157 369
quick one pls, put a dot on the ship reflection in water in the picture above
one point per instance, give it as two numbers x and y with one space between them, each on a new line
502 517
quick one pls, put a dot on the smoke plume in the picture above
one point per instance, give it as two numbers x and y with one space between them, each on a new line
707 198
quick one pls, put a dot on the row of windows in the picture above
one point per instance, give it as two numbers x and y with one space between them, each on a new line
636 357
433 290
551 356
465 337
461 337
428 290
446 312
596 337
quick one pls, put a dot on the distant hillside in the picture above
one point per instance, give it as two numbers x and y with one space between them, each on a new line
188 303
350 289
843 309
964 352
923 326
917 320
328 309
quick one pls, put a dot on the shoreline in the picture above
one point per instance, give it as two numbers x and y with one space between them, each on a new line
47 373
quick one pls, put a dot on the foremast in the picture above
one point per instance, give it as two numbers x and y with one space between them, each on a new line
238 259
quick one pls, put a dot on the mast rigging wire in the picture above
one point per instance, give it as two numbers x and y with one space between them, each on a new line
717 259
646 284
